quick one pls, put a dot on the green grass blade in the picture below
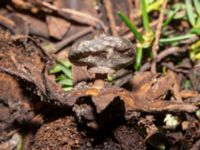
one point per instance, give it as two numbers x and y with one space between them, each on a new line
197 22
55 69
190 13
195 31
61 77
139 55
171 17
177 38
66 63
197 6
145 16
20 144
67 88
128 23
153 6
66 82
65 70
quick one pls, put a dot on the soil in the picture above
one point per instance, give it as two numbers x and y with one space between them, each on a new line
63 133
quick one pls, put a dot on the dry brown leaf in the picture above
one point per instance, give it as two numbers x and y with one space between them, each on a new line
57 27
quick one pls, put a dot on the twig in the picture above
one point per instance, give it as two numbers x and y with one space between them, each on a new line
190 40
66 41
173 68
75 15
108 7
55 48
22 4
145 67
137 7
168 51
157 36
175 87
43 53
131 10
163 54
7 23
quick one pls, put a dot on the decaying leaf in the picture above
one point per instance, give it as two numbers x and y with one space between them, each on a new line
149 94
57 27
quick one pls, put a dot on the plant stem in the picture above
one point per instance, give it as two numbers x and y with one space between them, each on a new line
177 38
139 55
131 27
145 16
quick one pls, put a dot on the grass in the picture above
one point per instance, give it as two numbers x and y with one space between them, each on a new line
131 26
145 40
62 70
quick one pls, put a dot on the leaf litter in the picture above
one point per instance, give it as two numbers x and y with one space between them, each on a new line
90 116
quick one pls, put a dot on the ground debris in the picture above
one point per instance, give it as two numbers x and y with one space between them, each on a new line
109 104
149 94
56 26
63 134
14 105
195 77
